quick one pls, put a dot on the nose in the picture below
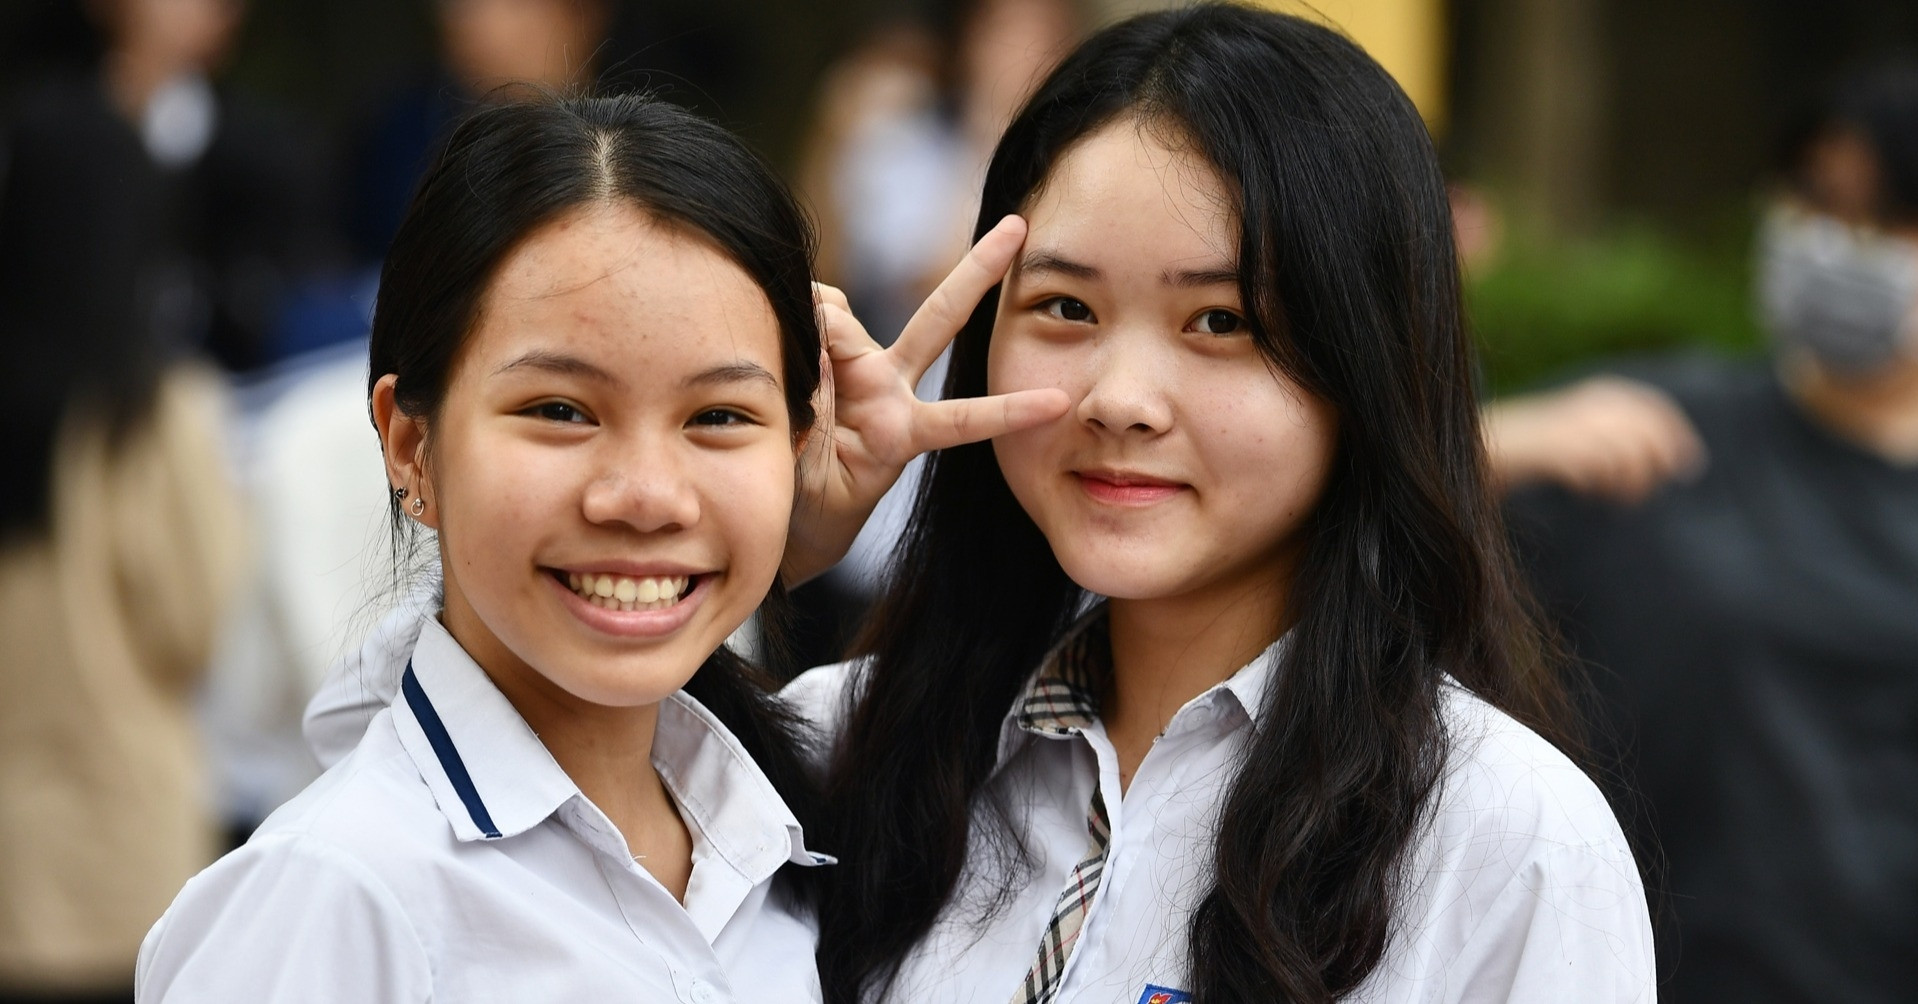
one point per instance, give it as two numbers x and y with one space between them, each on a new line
647 489
1128 387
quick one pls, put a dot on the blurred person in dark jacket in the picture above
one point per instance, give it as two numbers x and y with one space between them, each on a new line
484 45
1753 625
220 198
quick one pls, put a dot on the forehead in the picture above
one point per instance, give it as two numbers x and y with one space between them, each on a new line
612 281
1134 189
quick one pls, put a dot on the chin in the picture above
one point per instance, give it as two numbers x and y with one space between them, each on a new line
625 694
629 686
1100 577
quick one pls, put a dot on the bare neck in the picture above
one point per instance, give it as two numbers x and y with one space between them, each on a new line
607 752
1878 412
1167 652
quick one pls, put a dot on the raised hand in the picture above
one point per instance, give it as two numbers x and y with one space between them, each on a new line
1605 436
871 423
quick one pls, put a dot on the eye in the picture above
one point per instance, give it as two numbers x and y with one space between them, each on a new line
558 411
1219 321
721 418
1066 308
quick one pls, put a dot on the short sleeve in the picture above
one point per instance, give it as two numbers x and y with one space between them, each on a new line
284 920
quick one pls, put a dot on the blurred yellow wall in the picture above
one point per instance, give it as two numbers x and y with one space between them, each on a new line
1407 37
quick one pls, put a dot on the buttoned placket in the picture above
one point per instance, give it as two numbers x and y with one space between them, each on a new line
1199 722
632 886
1061 704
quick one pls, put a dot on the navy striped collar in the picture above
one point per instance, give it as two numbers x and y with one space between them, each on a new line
490 775
492 778
449 755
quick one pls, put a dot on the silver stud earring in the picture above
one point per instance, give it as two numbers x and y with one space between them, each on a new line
399 494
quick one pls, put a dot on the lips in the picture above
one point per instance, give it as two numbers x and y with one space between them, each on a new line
628 603
1126 487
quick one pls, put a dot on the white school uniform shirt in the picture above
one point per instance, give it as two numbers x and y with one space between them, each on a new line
1522 886
449 858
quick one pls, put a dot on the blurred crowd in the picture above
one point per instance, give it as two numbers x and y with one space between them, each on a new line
191 519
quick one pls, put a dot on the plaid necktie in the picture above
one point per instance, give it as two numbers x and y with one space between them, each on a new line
1062 701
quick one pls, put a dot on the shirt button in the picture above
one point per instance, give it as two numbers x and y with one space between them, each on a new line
703 992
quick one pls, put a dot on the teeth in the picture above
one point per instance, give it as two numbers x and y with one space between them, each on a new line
619 592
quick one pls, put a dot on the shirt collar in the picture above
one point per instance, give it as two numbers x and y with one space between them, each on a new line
492 777
732 801
1063 695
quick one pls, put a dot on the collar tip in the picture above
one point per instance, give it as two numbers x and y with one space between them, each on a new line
469 833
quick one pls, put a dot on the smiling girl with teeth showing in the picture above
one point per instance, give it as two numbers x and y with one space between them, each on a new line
593 363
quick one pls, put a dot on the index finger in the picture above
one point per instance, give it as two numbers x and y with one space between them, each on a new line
937 320
939 425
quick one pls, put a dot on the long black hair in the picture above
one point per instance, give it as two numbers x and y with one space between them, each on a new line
1347 269
513 166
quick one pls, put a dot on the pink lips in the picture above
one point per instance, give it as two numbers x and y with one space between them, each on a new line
1126 489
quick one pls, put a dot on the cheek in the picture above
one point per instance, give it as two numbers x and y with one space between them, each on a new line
1017 361
751 497
1276 438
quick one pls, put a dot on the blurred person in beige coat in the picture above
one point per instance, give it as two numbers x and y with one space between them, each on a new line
107 615
120 537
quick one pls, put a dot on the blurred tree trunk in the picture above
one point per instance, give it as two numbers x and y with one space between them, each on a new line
1537 100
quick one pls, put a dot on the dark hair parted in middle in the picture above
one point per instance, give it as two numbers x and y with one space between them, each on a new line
1347 270
513 167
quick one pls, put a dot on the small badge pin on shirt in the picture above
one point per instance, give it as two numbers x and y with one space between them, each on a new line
1163 995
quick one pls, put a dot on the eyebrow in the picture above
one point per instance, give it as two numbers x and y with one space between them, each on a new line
568 365
739 372
1050 261
1197 278
560 363
1041 262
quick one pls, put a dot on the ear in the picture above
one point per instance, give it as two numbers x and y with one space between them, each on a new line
403 441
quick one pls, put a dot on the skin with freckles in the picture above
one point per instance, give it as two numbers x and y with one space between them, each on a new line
618 411
1179 481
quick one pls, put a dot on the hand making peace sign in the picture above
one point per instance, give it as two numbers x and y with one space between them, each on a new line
870 421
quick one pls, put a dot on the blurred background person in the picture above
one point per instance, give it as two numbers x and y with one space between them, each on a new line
223 195
902 127
483 46
120 536
1754 625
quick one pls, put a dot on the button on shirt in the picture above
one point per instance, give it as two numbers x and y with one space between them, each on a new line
1522 888
449 858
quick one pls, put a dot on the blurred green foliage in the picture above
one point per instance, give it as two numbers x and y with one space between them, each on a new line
1542 308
